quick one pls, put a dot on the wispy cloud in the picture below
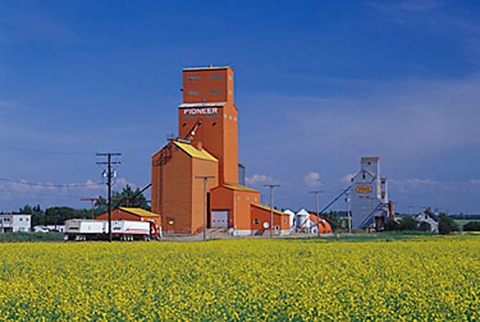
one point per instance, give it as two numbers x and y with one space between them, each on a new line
24 192
258 179
312 179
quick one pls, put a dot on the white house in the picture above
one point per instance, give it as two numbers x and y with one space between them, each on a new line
428 217
15 223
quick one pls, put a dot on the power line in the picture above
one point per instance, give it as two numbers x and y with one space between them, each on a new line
109 174
39 193
65 185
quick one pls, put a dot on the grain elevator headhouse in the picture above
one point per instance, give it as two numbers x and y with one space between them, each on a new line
209 117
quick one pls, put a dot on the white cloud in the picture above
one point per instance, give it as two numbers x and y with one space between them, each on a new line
312 179
257 179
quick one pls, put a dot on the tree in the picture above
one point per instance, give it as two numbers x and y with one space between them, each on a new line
472 226
58 215
446 225
128 196
408 223
424 226
391 225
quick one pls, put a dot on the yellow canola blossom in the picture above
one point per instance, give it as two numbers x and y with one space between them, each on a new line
435 279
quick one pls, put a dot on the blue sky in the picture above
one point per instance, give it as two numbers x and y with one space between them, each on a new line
319 84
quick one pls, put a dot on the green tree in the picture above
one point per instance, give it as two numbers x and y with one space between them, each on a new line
391 225
424 226
128 196
36 212
408 223
472 226
446 225
58 215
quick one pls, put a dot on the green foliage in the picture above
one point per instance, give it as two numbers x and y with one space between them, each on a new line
391 225
408 223
446 225
472 226
30 237
128 196
58 215
424 226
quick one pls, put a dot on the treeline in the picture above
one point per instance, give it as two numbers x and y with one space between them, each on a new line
446 225
57 215
52 215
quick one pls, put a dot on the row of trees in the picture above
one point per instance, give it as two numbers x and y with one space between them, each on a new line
58 215
446 225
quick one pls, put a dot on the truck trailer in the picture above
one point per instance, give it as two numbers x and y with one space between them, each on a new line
125 230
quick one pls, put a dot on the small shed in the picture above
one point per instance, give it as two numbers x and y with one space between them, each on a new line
134 214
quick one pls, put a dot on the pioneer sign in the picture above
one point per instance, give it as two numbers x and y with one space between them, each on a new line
204 111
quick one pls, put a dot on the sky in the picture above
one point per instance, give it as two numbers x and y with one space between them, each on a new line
318 85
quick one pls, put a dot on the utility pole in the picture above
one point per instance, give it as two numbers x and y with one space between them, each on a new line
349 217
271 186
316 192
109 174
205 210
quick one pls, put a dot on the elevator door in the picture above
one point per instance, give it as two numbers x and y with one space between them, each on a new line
220 218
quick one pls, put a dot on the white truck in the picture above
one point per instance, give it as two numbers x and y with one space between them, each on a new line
89 229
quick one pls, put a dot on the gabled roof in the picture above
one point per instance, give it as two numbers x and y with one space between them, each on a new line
303 212
139 212
239 187
193 152
278 212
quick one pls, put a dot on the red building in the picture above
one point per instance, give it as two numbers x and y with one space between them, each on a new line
206 147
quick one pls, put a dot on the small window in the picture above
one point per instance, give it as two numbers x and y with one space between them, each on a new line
26 219
284 221
214 77
230 92
248 198
230 78
255 198
235 119
277 227
230 117
238 197
225 115
194 78
21 219
216 91
194 92
256 221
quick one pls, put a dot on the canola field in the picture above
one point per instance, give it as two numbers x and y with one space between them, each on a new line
430 279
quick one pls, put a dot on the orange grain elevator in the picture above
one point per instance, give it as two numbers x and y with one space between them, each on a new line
207 145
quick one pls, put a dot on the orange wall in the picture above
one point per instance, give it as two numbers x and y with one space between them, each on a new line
237 202
118 214
172 188
208 85
201 168
219 129
176 194
263 215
